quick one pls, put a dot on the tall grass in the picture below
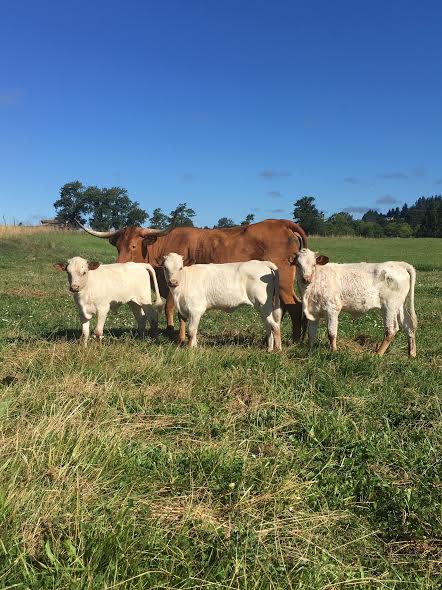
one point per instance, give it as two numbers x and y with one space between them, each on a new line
26 230
137 464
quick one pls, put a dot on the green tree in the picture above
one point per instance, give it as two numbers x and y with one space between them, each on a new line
405 230
181 216
369 229
427 211
340 224
391 229
250 218
72 204
112 207
225 222
308 216
103 207
159 220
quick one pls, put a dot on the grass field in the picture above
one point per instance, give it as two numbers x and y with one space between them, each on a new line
140 465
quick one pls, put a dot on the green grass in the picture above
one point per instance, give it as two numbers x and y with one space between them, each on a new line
141 465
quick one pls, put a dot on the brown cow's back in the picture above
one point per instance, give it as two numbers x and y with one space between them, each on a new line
277 240
272 239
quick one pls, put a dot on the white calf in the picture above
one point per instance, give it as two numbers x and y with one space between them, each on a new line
328 289
99 288
225 286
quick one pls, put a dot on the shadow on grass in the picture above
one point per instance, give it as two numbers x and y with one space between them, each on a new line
72 335
366 341
227 339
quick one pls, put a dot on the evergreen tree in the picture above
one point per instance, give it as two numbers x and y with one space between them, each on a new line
159 220
250 218
431 218
374 216
308 216
181 216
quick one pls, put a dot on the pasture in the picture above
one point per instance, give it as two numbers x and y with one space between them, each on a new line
137 464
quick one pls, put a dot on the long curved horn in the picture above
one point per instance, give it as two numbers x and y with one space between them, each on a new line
99 234
150 231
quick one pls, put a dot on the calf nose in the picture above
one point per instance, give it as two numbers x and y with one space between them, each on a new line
308 279
75 288
173 283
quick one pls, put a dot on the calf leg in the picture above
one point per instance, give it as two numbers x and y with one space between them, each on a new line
277 336
101 319
167 295
194 321
140 317
312 329
391 327
332 327
170 306
182 332
85 323
409 327
152 315
273 328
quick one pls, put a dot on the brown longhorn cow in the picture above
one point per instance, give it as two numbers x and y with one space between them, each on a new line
277 240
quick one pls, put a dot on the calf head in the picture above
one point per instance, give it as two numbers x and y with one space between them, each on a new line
77 269
173 264
306 261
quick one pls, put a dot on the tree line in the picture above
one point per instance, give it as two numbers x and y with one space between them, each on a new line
423 219
106 208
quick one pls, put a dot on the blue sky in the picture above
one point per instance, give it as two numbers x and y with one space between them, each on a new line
231 106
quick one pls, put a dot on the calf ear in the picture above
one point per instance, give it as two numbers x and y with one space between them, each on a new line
60 266
321 259
93 265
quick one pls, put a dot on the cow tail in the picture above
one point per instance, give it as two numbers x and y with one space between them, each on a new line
299 234
410 296
159 302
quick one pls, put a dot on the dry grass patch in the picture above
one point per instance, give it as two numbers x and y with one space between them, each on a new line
27 230
195 510
144 425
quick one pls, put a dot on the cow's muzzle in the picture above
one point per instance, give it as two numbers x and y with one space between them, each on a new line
173 283
307 279
74 288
